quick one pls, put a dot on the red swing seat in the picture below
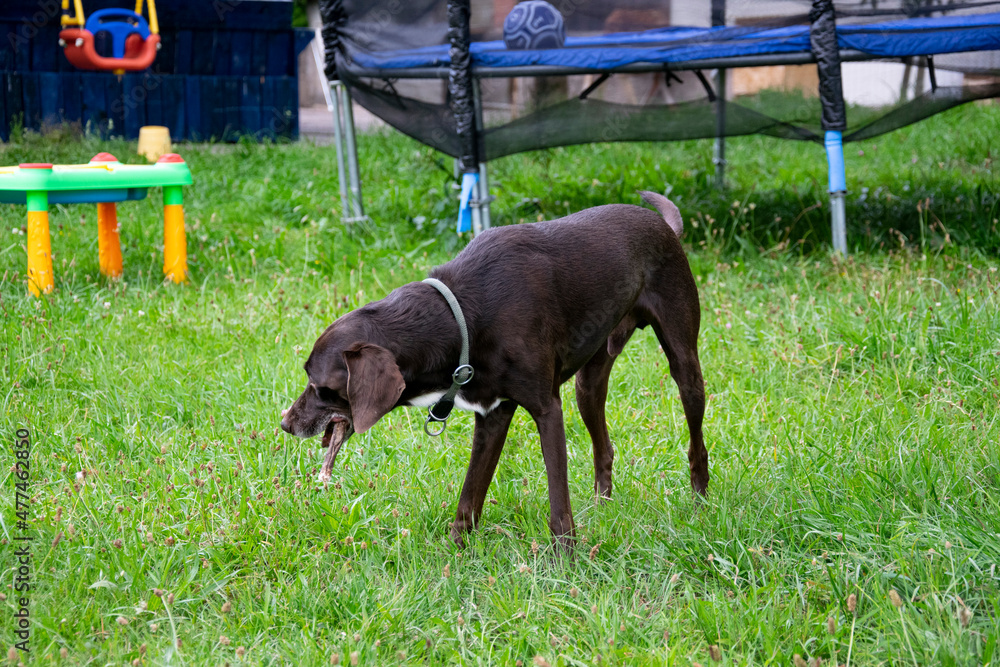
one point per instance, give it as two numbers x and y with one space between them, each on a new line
133 45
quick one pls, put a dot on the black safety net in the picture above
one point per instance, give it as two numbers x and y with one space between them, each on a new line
395 58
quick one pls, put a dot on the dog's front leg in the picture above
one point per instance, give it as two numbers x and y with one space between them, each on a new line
487 443
549 420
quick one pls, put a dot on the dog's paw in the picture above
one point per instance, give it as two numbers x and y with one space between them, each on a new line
324 478
456 537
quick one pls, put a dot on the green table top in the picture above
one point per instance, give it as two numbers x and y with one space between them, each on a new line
104 172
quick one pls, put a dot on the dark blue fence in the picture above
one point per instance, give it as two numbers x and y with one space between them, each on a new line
227 68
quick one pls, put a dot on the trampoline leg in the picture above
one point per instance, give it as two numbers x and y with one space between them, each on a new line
338 140
719 159
481 196
838 215
484 195
477 214
838 190
352 156
468 205
317 52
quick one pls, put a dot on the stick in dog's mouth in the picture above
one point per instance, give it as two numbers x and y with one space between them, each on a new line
336 434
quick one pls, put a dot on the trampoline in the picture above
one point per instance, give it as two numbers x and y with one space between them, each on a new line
385 55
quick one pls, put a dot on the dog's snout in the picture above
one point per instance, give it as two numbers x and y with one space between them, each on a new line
286 420
285 426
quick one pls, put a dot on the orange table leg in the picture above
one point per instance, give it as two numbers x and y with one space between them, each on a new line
109 249
174 241
40 278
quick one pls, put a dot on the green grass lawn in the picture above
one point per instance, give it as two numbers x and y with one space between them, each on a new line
852 423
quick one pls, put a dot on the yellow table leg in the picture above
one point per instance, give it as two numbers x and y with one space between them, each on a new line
109 249
40 278
174 241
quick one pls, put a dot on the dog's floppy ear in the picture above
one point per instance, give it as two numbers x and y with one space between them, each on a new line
374 383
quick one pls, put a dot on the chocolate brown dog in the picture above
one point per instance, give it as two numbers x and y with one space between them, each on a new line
543 302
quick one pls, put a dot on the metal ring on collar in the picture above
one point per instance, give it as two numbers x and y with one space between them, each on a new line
427 426
464 371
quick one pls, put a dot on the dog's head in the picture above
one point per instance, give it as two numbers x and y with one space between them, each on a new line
352 384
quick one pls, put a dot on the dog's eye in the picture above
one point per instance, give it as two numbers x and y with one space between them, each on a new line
328 395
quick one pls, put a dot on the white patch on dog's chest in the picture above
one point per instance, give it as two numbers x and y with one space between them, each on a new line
426 400
462 404
429 399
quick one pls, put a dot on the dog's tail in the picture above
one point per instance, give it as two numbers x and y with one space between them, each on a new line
666 208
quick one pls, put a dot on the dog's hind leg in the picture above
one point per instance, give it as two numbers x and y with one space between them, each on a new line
591 397
487 443
677 330
552 432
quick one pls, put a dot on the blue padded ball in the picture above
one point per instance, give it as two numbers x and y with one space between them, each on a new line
534 24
